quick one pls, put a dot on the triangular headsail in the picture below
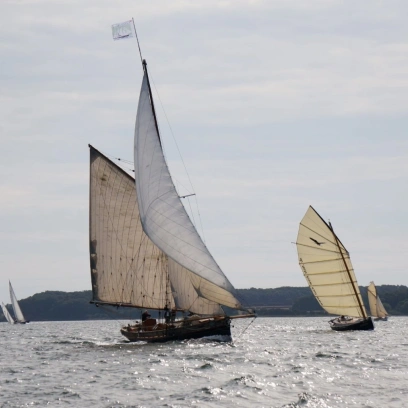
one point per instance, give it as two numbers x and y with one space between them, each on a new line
162 213
377 309
327 267
7 315
16 307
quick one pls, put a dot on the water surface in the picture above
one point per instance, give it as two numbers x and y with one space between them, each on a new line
276 362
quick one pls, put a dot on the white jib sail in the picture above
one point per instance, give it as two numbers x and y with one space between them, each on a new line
6 313
16 307
323 262
163 216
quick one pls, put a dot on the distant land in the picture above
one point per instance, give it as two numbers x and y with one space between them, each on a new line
284 301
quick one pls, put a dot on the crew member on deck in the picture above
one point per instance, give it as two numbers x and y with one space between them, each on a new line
145 315
166 314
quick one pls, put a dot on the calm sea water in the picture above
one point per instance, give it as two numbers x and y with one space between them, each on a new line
277 362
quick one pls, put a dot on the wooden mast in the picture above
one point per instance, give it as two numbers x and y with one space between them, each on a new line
348 272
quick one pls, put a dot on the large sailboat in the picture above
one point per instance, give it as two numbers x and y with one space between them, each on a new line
18 314
377 309
144 250
326 265
6 313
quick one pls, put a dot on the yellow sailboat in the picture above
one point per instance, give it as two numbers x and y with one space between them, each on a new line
326 265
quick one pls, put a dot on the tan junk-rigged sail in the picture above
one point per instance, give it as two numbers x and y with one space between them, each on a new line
326 265
376 307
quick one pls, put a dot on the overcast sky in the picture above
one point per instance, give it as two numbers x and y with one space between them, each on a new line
275 105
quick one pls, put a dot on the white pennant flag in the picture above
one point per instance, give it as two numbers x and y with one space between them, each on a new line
122 31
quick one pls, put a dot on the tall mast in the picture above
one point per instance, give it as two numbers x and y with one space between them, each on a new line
348 272
144 63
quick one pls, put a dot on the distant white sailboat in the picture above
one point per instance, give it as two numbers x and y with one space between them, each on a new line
376 307
7 315
18 314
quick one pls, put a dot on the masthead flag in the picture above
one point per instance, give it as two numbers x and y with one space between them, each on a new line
122 31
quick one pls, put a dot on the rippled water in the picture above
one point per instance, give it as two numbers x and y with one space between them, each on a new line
277 362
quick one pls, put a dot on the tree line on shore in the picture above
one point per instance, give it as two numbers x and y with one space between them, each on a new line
284 301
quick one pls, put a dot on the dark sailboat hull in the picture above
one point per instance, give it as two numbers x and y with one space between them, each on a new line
353 324
381 319
182 330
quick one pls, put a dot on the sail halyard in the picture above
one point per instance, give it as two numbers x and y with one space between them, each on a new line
327 267
163 216
16 307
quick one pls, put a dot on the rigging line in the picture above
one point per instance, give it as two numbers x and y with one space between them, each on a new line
137 38
113 314
199 218
124 160
120 165
246 328
179 152
192 214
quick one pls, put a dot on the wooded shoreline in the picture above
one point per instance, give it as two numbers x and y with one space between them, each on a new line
280 302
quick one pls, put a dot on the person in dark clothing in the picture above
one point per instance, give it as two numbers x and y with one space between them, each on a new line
145 315
166 314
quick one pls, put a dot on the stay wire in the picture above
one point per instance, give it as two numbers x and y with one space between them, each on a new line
181 157
246 328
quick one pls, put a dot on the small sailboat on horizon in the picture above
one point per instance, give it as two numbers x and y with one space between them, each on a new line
6 313
326 265
377 309
18 314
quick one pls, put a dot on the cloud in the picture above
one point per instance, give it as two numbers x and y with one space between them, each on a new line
276 105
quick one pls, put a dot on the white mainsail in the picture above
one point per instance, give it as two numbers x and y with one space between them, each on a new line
376 307
327 267
7 315
16 307
127 268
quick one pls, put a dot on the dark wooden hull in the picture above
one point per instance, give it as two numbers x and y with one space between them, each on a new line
354 324
381 319
179 331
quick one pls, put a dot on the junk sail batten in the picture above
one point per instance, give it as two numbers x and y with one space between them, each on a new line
327 267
